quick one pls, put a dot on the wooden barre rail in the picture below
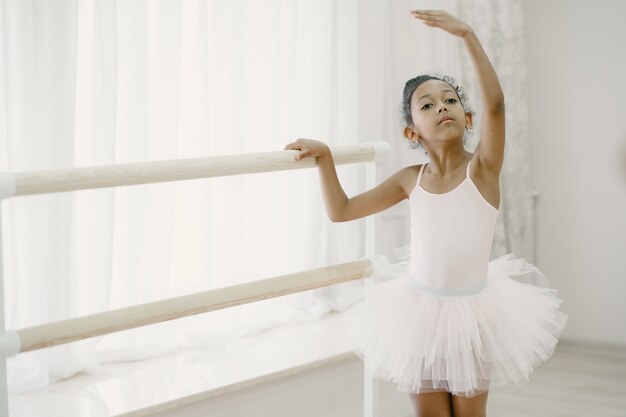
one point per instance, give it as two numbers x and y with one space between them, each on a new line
52 181
79 328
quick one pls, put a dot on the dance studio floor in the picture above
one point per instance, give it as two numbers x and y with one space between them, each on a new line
578 381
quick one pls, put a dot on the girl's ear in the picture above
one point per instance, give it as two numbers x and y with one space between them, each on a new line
469 121
409 133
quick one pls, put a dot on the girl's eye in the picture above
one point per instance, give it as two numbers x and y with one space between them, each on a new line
451 100
426 106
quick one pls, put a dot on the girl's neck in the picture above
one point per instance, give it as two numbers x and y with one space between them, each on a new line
448 162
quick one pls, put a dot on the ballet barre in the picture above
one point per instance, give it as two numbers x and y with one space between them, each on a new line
98 324
83 178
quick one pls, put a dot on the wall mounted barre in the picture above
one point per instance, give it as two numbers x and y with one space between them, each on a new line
84 178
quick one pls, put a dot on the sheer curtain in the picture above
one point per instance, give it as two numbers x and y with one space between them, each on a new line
95 82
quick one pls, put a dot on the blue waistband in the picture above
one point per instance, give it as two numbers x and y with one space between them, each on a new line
448 292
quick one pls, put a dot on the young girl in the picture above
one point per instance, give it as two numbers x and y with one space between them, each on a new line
451 324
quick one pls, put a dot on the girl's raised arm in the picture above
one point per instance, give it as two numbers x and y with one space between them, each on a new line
339 207
490 150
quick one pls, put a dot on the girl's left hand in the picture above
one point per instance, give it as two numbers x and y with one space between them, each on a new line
443 20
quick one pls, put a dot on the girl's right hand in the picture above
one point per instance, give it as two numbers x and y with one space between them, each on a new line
309 147
443 20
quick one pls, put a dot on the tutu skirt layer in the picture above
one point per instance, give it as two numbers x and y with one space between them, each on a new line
462 344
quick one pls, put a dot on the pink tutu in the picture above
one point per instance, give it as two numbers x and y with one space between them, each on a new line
426 341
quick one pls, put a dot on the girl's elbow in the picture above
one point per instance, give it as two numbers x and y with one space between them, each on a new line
345 217
338 215
336 219
341 217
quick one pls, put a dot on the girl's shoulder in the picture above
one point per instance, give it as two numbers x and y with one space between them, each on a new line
412 170
409 177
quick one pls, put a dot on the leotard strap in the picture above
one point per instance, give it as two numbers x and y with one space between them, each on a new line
467 170
419 176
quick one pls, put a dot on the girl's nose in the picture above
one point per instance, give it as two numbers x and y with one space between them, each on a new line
442 107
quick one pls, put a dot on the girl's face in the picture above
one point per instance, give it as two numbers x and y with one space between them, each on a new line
437 112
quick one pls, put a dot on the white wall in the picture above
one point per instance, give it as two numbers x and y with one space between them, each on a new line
577 63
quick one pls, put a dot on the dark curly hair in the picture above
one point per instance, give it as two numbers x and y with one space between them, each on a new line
411 85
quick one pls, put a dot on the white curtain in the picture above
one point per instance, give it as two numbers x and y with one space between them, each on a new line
95 82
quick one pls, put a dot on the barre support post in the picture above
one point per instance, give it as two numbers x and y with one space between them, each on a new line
371 386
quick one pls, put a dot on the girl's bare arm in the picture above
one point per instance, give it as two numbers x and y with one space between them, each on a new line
491 147
339 207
